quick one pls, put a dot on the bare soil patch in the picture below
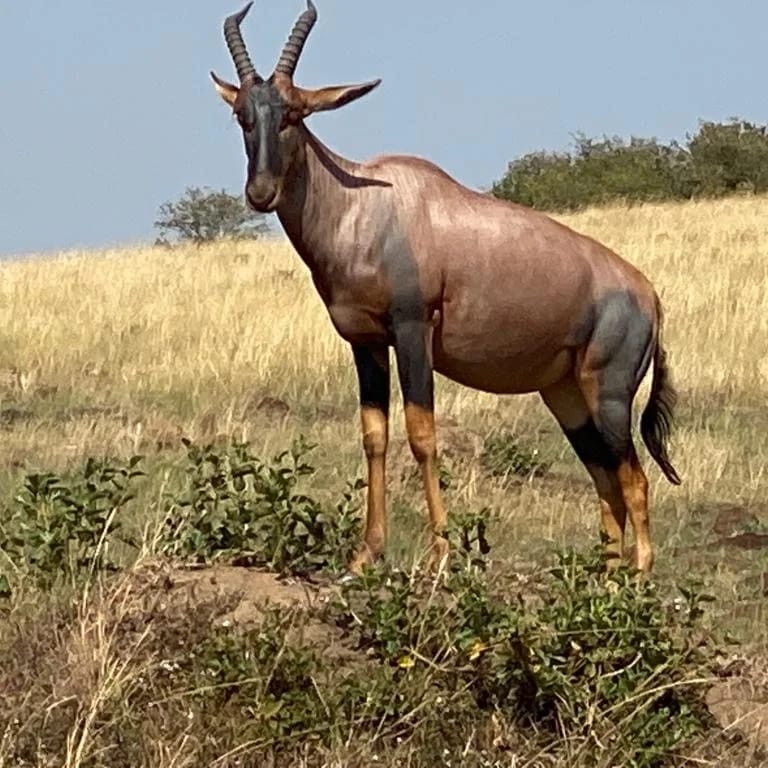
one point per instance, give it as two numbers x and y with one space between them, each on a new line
737 525
249 594
731 518
740 703
252 591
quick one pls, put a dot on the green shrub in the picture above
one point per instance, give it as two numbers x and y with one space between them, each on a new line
729 157
263 675
250 511
595 658
602 657
63 526
719 159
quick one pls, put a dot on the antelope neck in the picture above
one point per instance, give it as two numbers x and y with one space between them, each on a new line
319 191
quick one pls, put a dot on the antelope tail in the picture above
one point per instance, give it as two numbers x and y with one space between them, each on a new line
656 421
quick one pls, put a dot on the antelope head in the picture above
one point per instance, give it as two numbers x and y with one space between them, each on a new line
270 111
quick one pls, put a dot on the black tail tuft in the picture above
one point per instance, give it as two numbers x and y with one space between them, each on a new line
656 421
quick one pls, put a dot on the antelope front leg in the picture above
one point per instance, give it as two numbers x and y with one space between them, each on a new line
372 364
413 350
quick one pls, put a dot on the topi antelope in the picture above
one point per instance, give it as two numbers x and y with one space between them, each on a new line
492 295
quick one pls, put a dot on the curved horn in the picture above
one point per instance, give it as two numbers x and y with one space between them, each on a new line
234 38
292 49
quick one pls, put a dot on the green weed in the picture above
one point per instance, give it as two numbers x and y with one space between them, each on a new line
252 512
62 526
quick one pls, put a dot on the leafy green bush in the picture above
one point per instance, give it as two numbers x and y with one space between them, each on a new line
719 159
593 657
604 658
261 673
239 507
62 526
233 505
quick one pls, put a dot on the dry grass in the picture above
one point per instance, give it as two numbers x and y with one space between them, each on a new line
123 351
117 350
120 352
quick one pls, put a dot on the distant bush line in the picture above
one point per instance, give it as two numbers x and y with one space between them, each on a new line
720 159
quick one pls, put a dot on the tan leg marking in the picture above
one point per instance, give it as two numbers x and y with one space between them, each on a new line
573 403
634 487
375 438
420 425
613 513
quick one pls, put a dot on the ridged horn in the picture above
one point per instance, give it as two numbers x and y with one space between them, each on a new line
289 58
234 37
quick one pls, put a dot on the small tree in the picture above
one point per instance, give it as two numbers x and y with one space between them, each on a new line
203 215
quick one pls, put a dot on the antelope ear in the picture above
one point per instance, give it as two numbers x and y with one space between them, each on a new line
333 97
226 90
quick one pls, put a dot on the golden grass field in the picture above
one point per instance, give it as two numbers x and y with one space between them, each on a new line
124 351
120 350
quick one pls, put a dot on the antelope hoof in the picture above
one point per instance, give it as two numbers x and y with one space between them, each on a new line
439 554
365 556
643 560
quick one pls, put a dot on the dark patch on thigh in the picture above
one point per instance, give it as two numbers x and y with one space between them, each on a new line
372 364
592 448
613 421
617 356
619 343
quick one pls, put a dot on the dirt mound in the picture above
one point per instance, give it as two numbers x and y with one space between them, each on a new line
244 596
252 591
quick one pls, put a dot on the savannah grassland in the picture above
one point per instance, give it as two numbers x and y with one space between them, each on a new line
124 352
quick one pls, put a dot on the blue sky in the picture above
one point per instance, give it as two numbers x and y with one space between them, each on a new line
108 110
